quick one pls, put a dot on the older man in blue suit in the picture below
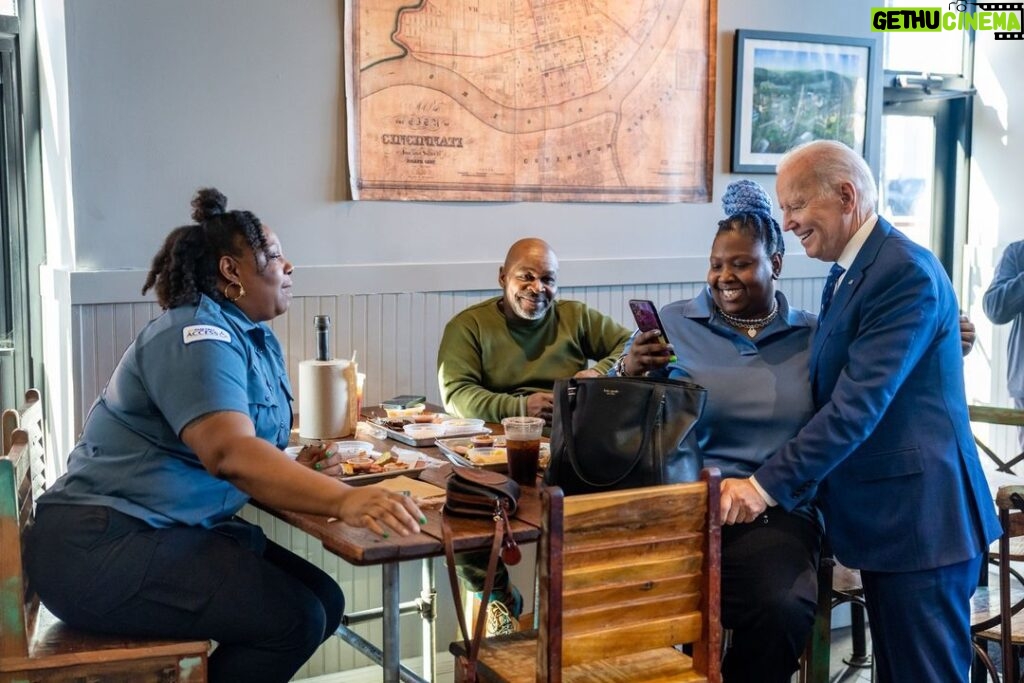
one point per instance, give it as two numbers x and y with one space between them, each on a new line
889 452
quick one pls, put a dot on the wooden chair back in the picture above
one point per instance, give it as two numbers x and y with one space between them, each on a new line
628 571
28 417
1010 501
18 602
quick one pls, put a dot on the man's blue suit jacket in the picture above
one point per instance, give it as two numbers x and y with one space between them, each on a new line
889 451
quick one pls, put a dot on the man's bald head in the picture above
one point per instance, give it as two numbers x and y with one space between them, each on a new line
530 246
529 279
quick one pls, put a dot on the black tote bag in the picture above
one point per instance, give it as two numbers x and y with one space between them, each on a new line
623 432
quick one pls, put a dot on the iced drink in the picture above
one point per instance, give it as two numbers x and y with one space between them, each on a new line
522 445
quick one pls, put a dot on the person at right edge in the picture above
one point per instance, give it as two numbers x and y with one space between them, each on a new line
1003 303
888 454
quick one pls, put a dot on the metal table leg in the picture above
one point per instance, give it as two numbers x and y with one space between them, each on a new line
428 601
392 656
389 656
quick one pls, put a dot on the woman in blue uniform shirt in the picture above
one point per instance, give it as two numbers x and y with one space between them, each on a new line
140 537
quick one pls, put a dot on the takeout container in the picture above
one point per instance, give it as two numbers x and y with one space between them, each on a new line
462 425
352 448
487 456
425 430
404 412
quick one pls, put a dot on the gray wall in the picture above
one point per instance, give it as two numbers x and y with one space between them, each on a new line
248 95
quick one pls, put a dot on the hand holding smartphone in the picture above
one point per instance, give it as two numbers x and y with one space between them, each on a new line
647 319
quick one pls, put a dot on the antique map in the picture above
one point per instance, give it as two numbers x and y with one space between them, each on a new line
532 100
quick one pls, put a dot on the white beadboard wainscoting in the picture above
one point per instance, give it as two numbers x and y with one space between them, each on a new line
395 338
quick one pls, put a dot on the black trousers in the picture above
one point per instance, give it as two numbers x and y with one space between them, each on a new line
769 594
267 608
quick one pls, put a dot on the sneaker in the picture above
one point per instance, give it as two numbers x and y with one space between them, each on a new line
503 611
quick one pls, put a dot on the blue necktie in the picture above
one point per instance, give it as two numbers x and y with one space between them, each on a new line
830 288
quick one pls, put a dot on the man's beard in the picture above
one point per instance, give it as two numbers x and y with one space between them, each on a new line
541 305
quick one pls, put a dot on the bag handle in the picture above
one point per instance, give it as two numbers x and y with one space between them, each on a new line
657 396
472 645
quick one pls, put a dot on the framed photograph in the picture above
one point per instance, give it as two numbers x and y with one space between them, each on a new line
791 88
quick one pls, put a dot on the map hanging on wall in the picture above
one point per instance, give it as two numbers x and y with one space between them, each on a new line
531 100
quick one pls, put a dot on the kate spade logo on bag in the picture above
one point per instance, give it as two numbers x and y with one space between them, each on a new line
610 392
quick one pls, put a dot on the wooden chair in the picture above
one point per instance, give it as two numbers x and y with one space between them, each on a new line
1009 417
1003 622
625 579
28 416
837 585
37 647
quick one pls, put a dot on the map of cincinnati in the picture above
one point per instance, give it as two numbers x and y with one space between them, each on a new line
531 100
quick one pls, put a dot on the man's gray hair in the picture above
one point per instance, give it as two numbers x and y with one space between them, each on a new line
832 163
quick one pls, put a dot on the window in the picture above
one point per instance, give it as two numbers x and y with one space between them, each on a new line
926 135
20 252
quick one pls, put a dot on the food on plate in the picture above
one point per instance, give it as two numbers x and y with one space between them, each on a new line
360 464
426 417
461 450
367 463
482 440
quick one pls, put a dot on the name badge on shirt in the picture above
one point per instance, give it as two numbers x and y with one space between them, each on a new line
194 333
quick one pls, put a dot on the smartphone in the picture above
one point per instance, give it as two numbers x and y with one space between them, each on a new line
403 401
646 316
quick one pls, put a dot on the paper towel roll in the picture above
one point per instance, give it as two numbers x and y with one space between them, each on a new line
327 399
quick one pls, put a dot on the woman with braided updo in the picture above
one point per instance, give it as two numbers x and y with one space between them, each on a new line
740 339
139 537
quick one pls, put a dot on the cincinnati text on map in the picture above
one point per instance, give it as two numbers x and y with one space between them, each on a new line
531 100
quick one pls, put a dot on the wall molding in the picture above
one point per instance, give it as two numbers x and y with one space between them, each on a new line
123 286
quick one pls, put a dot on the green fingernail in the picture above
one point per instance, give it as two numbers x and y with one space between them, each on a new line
423 520
318 465
672 359
385 534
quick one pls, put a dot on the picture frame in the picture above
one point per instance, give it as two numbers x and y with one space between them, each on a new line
791 88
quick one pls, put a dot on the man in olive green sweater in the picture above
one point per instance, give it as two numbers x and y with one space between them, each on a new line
506 352
502 356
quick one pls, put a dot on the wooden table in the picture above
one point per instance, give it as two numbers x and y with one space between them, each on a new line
1009 417
362 547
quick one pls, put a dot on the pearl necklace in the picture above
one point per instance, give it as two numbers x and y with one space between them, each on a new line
752 325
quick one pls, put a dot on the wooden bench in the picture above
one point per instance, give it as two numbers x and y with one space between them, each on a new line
625 578
35 646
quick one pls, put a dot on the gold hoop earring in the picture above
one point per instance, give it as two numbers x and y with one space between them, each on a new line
241 291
